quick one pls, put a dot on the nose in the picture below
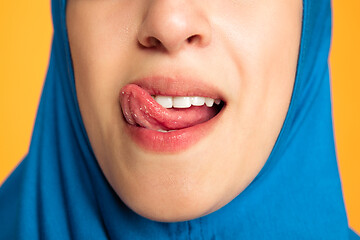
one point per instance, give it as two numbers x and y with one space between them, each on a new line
171 25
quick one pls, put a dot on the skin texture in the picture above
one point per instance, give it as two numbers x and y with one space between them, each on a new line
246 49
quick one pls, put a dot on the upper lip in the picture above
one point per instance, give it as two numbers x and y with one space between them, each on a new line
179 86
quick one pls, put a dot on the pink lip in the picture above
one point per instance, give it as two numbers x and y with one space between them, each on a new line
179 140
171 142
168 86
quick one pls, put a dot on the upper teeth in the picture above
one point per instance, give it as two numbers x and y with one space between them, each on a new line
185 102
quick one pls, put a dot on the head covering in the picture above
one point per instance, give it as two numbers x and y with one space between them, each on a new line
59 192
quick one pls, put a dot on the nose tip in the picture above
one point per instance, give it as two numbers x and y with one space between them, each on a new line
172 25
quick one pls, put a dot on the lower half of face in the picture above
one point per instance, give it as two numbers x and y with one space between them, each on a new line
183 101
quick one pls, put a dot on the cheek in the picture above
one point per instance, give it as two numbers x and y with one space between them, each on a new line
100 52
102 37
267 39
264 43
101 48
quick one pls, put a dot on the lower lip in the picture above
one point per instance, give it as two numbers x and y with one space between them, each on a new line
171 142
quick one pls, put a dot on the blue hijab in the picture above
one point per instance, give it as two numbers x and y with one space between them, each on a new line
59 192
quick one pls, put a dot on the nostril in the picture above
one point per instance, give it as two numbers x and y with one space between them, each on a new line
152 42
193 39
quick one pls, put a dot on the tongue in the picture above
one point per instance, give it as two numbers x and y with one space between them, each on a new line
140 109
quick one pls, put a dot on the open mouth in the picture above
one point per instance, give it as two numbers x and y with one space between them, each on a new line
166 113
171 121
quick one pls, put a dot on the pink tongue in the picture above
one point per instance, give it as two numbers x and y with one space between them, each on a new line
139 108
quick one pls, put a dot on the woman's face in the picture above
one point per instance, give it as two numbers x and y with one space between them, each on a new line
239 51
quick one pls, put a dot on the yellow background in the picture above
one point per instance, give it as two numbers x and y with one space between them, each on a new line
25 36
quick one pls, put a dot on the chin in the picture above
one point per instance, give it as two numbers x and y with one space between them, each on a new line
174 208
178 189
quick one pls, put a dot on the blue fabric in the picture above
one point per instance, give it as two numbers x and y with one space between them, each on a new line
59 191
353 235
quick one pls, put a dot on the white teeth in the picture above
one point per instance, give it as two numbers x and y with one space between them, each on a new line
197 101
166 102
209 102
163 131
181 102
185 102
